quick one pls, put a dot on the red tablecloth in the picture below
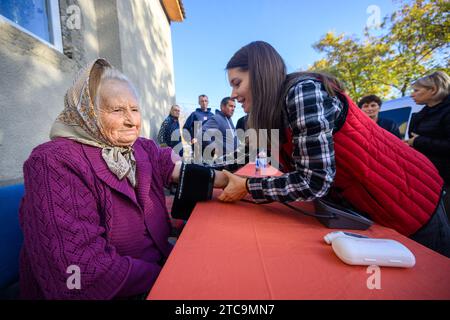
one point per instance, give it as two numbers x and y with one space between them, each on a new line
248 251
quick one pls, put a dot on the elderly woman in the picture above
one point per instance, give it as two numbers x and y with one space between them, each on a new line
94 218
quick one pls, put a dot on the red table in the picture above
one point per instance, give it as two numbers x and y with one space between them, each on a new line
244 251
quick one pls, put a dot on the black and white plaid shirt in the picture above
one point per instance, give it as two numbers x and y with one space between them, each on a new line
311 114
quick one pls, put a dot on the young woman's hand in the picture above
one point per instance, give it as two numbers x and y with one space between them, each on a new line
235 189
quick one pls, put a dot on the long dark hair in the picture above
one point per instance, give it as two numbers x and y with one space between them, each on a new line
269 84
267 73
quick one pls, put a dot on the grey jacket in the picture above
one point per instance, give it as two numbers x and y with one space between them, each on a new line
220 123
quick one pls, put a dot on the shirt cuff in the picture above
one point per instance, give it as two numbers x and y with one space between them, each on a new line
256 189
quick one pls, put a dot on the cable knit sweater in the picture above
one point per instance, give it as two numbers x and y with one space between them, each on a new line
76 212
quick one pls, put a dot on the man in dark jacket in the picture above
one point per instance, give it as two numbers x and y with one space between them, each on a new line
220 126
194 124
200 115
371 105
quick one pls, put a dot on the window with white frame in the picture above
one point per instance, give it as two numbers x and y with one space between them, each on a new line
40 18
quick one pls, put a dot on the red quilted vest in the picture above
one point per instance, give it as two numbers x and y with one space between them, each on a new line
378 174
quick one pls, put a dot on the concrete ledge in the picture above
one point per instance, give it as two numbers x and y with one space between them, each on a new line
16 41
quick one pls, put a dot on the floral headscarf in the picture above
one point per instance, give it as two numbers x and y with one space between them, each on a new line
79 121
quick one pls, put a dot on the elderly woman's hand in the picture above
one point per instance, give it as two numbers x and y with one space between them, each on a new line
236 188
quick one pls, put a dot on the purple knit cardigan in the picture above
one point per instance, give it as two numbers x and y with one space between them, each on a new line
66 216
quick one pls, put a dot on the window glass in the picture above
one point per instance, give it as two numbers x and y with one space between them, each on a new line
400 116
32 15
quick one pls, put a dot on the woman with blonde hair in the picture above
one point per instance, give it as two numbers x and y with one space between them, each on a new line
430 127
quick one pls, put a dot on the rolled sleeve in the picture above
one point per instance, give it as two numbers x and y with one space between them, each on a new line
167 159
311 112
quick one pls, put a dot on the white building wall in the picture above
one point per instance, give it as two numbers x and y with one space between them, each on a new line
133 35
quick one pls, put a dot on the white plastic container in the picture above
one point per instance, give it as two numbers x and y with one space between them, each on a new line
368 251
335 234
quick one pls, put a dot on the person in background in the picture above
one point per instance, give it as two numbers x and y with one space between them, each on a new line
221 122
371 105
328 146
94 205
242 123
200 115
429 129
169 125
193 126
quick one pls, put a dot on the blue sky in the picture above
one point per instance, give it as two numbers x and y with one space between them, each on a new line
215 29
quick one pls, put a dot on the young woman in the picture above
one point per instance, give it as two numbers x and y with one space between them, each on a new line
328 144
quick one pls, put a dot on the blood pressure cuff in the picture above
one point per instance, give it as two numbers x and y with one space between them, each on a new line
196 184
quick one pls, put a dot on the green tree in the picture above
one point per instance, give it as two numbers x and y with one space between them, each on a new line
414 41
354 63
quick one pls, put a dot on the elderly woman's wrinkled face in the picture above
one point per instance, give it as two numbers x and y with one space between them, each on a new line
119 113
